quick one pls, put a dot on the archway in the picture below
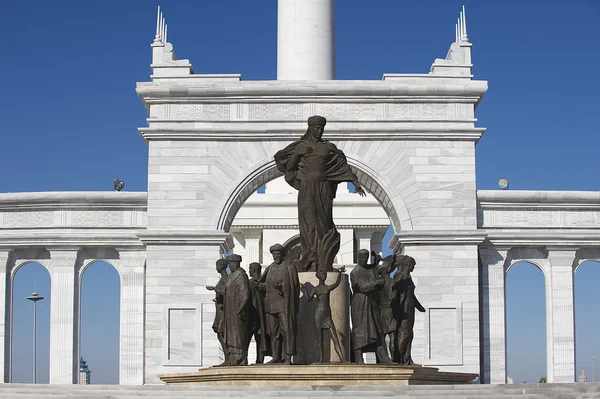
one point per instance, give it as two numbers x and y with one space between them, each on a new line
253 235
587 303
29 277
526 349
261 174
99 337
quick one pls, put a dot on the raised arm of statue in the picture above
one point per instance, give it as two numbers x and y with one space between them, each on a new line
337 282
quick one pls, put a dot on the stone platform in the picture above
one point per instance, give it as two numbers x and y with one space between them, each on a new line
318 375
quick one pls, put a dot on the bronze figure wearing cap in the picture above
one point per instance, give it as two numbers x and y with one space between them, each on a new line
315 167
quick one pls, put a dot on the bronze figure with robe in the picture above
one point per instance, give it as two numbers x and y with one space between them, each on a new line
219 299
281 287
235 313
315 167
257 318
367 333
405 311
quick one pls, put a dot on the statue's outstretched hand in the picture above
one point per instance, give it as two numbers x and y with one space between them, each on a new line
359 190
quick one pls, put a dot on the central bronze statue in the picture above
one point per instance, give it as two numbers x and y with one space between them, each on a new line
315 167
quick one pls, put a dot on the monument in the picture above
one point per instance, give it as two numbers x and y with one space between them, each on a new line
315 167
410 141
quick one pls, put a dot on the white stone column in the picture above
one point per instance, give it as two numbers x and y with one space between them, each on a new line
363 239
377 241
131 357
63 327
253 252
306 40
494 315
561 337
346 252
5 294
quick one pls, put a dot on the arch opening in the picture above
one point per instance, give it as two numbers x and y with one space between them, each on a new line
587 303
264 173
29 277
99 325
526 347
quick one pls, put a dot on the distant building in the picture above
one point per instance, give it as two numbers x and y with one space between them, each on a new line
583 377
84 372
509 380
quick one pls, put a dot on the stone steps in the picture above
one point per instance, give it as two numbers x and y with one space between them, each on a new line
520 391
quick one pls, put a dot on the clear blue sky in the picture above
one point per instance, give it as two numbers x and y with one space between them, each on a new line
69 115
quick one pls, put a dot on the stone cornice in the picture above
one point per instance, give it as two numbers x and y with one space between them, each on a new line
74 199
491 199
437 237
69 238
562 238
376 131
296 227
335 88
182 237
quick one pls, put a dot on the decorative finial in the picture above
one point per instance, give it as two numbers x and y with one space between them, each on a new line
463 17
165 33
157 38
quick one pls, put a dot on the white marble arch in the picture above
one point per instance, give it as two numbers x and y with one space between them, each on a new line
267 171
18 258
130 266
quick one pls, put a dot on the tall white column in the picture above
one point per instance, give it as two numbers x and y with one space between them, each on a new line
4 316
63 303
253 252
131 356
377 242
561 337
363 239
306 40
494 315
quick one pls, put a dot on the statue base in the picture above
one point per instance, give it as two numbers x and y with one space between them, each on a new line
318 374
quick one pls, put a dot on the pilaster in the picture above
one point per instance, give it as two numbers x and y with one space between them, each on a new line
131 358
561 337
4 315
63 327
493 314
179 310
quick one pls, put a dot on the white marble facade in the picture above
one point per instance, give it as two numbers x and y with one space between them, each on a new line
411 140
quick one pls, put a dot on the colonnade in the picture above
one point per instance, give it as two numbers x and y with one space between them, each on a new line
66 265
558 265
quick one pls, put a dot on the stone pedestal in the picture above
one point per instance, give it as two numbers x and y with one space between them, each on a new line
315 375
307 346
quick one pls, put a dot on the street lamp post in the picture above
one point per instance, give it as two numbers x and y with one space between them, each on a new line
34 298
593 369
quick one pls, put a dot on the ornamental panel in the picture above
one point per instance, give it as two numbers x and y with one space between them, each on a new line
97 218
28 218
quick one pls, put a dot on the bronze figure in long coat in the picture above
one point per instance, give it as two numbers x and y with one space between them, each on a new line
406 305
367 332
281 287
315 167
219 299
235 312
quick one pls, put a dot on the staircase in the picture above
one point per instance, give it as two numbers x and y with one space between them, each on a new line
473 391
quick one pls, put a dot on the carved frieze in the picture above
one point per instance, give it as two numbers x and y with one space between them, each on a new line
535 217
27 218
212 112
296 111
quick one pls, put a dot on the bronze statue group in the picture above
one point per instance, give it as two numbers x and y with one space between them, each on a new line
265 306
